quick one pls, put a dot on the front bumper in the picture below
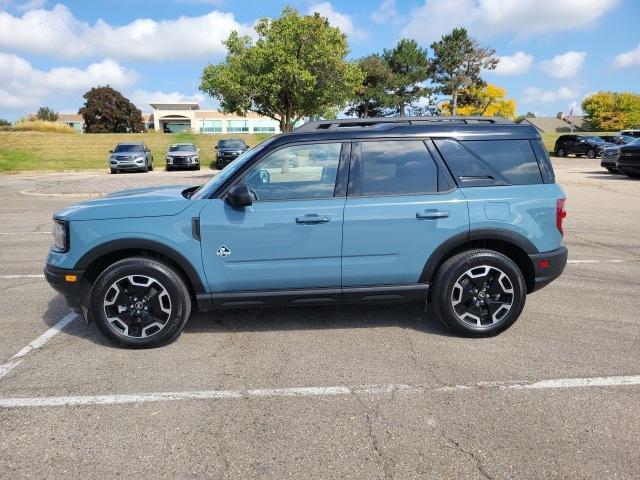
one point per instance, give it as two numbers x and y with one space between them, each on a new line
548 266
61 280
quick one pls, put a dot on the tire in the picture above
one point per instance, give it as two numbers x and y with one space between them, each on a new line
198 167
145 169
127 307
612 169
151 166
168 169
561 152
578 155
591 153
114 170
453 287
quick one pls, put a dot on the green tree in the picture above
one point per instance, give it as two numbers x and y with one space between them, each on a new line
46 114
520 118
372 99
612 110
106 110
4 123
458 62
295 68
410 68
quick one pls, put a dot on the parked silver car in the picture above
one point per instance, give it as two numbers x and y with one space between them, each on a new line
183 155
131 156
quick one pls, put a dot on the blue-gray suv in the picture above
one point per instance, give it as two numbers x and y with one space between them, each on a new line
461 213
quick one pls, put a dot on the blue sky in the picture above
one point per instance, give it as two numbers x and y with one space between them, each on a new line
553 52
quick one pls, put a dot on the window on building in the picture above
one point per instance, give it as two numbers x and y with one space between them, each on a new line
210 126
237 126
397 168
265 126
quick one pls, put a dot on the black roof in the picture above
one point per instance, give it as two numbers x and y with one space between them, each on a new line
479 128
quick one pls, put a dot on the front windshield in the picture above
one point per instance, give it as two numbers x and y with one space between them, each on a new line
595 139
209 187
122 148
182 148
628 139
232 144
635 141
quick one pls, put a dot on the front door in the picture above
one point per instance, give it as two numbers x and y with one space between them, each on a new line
291 237
395 216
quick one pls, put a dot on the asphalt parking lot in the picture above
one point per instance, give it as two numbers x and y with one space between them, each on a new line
361 392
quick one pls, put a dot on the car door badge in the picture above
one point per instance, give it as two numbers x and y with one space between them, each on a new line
223 251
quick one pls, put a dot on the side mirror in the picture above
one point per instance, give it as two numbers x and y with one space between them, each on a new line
110 151
239 196
216 147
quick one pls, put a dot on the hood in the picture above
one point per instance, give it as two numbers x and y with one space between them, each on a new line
229 149
133 203
182 154
630 147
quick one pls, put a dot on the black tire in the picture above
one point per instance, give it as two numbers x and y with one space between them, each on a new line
578 155
145 169
113 290
151 166
168 168
612 169
561 152
114 170
591 153
198 167
452 274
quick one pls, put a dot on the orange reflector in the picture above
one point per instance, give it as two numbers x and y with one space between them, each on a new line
543 264
70 278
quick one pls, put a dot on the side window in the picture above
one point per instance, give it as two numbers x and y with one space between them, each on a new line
514 159
468 169
543 161
397 168
296 172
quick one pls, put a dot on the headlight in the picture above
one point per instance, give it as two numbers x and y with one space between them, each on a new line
60 232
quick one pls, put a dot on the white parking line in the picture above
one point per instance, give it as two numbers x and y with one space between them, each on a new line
15 277
596 261
5 368
138 398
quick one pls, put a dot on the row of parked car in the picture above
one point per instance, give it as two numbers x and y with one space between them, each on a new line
619 153
137 156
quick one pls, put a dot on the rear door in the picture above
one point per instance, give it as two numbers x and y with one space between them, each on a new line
400 208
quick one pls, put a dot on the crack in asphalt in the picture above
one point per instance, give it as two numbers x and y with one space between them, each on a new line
472 455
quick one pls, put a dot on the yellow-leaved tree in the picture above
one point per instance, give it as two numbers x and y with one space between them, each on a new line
487 101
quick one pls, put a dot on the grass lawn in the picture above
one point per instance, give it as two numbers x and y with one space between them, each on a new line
23 151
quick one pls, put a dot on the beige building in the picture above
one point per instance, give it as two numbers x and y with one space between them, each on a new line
177 117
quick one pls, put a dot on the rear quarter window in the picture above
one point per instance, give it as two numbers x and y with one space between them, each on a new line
514 159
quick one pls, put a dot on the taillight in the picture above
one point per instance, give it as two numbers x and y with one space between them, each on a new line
561 213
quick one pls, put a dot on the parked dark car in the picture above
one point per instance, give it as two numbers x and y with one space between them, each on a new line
130 156
580 145
631 133
610 157
228 149
617 139
628 162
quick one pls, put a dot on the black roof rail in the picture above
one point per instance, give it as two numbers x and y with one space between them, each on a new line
319 125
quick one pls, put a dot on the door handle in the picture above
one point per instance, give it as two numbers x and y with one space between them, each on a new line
432 214
313 218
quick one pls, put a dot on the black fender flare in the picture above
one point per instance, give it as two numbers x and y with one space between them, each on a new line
460 239
113 246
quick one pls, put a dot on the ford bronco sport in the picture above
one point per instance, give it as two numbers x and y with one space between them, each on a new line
462 213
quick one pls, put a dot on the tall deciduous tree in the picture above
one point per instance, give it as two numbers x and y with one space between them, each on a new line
458 62
612 110
295 68
372 98
107 111
410 68
46 114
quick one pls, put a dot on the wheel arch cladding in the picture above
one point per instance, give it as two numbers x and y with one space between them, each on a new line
509 243
100 257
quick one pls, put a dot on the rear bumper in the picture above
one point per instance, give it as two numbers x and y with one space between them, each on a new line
556 260
70 290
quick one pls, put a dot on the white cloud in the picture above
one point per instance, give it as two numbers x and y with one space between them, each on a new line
515 64
535 94
494 17
628 59
385 13
565 65
25 86
31 4
337 19
59 33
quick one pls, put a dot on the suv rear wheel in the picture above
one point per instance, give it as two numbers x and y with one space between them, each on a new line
478 293
140 302
561 152
591 153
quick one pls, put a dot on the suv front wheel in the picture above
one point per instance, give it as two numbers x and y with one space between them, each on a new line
478 293
140 302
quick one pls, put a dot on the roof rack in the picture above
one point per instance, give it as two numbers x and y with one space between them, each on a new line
320 125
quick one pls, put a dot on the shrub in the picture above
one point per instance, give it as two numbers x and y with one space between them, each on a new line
42 126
